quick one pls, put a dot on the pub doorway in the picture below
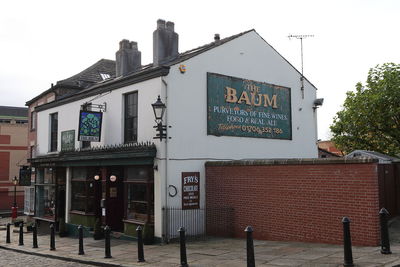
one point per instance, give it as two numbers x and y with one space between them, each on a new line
115 198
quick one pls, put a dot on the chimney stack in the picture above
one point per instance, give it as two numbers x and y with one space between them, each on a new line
128 58
165 42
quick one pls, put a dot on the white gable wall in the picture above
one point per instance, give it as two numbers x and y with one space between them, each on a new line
247 57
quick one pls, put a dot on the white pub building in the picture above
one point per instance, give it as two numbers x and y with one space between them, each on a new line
234 98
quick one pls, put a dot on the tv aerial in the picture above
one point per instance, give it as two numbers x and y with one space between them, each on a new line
301 37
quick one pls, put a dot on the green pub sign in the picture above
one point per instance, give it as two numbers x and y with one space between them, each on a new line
246 108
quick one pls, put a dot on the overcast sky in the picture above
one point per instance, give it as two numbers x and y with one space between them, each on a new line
42 42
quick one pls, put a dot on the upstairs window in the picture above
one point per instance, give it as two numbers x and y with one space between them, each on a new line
131 117
53 131
33 120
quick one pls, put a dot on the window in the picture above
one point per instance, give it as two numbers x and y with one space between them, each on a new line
131 118
105 76
53 131
45 193
139 184
33 120
82 197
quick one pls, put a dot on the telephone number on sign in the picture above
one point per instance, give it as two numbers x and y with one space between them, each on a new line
261 130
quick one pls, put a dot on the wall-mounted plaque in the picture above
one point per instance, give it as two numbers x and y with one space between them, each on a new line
190 190
68 140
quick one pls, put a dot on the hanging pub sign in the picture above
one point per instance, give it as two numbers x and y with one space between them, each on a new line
239 107
24 176
67 140
90 126
190 190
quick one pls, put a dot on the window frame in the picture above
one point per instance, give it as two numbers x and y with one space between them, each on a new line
133 137
86 181
148 182
53 132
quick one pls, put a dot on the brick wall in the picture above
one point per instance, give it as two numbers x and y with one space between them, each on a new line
295 200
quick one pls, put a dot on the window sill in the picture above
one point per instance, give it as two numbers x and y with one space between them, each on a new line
133 221
81 213
46 219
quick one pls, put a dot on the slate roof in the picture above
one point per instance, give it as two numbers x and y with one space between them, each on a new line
83 79
20 112
91 75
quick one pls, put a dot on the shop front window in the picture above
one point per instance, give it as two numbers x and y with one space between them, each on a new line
139 184
82 196
45 187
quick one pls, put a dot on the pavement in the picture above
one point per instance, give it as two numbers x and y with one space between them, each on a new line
210 252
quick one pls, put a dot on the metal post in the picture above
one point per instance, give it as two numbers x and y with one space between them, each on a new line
8 239
348 254
80 231
107 231
52 238
21 234
35 243
182 240
250 247
139 231
15 194
385 242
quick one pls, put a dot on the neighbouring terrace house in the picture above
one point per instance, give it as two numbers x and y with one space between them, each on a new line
234 98
13 136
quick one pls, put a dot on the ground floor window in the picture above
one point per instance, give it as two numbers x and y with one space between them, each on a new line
82 197
45 193
139 184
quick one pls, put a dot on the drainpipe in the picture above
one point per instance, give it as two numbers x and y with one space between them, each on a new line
166 154
67 194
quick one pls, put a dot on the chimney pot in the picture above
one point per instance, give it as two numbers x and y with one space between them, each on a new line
160 24
216 37
165 42
170 26
128 58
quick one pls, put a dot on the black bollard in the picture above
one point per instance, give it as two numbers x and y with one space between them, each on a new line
35 243
107 231
80 231
52 238
139 231
348 254
182 240
385 242
8 239
21 234
250 247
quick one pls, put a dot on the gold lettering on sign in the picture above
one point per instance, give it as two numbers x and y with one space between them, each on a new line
254 99
244 96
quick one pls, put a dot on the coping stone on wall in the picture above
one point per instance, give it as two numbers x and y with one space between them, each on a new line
298 161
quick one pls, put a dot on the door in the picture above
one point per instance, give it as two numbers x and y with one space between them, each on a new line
115 198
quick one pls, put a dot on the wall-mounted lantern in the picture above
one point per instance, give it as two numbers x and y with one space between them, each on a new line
159 110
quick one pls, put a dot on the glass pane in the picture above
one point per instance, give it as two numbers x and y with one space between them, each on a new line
82 195
48 176
137 205
78 196
79 173
45 201
139 173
